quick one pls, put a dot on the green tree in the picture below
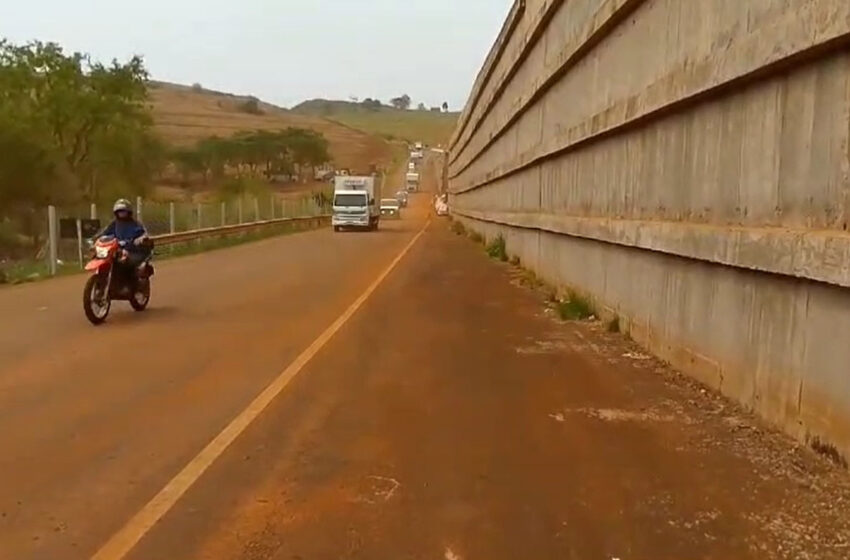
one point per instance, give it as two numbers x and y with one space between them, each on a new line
401 102
308 149
251 106
371 104
84 107
188 162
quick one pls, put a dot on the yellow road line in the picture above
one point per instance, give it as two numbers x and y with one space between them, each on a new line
124 540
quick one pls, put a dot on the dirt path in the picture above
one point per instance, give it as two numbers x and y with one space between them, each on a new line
455 418
451 417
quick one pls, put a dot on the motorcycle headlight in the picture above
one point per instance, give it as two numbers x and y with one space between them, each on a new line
101 252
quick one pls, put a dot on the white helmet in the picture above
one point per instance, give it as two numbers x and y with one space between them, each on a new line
122 204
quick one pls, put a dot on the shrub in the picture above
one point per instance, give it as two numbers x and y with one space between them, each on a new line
458 228
575 308
251 106
496 249
476 237
614 325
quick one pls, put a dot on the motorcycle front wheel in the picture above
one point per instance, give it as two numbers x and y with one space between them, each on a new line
95 305
142 297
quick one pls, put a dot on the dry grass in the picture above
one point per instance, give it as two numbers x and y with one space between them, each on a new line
433 128
183 116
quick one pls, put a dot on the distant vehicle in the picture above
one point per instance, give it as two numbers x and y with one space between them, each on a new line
416 155
418 146
412 182
441 206
411 166
356 203
390 208
402 198
324 175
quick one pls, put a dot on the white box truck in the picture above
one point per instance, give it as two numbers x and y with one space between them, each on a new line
356 202
412 182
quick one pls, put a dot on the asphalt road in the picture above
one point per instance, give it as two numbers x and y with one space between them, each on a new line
449 417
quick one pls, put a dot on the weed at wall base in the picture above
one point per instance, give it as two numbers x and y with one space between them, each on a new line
576 308
476 237
614 325
496 249
458 228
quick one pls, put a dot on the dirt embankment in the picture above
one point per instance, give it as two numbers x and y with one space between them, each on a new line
184 115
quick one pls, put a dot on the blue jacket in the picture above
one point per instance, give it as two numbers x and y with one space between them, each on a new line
126 230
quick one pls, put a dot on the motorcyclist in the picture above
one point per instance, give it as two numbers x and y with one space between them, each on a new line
125 228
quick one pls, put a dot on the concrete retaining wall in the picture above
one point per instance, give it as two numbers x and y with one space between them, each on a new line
687 164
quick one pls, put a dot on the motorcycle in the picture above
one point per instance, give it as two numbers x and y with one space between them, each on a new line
114 278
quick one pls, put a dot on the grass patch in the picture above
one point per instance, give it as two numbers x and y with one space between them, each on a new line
515 261
222 242
458 228
614 325
476 237
530 280
496 249
430 127
829 451
23 272
576 308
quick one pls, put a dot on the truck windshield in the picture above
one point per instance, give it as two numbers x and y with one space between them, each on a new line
350 200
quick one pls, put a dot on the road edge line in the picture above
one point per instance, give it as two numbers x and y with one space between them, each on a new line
122 542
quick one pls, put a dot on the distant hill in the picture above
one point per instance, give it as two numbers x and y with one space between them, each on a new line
433 128
185 114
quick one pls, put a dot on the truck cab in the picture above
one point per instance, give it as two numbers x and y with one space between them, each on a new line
412 182
356 203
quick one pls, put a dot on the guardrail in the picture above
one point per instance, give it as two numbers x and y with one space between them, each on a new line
191 235
174 238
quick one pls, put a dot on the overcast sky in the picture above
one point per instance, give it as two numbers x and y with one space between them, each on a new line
283 51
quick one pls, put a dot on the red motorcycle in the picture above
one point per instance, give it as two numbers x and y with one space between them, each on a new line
115 277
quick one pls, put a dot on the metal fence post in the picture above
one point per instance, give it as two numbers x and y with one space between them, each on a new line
139 208
200 222
172 221
223 213
239 210
93 211
52 240
272 207
80 242
256 210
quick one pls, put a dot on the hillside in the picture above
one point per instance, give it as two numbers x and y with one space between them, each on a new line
433 128
184 115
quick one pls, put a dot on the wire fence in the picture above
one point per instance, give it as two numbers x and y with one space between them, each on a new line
73 225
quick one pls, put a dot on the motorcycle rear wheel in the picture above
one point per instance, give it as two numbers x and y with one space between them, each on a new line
142 297
96 312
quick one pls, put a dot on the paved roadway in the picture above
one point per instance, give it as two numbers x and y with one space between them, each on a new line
448 418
